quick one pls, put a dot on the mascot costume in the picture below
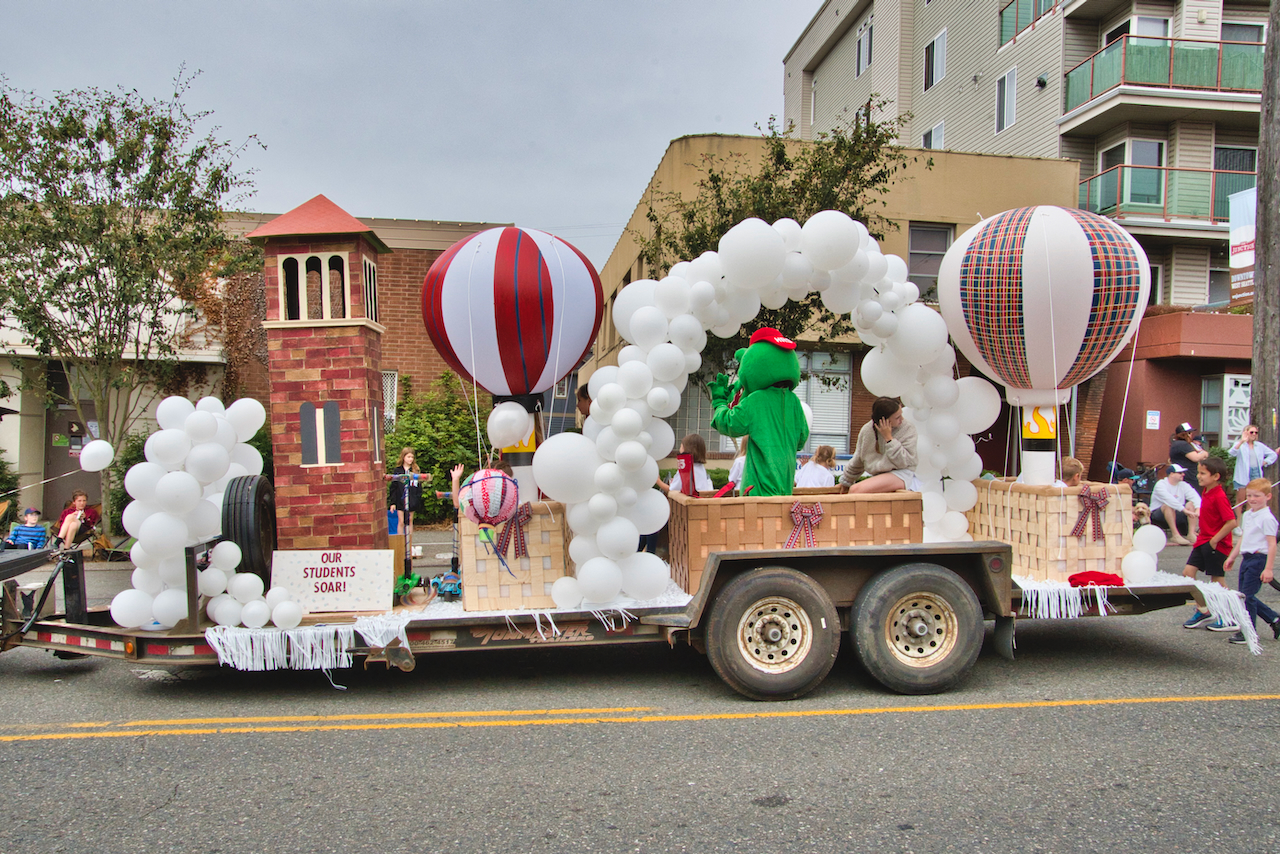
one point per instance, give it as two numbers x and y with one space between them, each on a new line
768 411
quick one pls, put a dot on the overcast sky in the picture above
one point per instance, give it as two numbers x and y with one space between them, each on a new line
548 114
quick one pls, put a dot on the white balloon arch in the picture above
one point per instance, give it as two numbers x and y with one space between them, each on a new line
606 475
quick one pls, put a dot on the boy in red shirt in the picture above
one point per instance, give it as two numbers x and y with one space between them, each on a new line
1213 543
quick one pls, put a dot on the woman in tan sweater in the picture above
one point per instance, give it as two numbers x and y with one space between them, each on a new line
885 451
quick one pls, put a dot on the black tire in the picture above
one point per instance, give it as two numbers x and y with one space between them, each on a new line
249 521
773 634
917 628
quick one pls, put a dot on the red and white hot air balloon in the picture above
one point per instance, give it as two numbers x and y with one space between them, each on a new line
515 309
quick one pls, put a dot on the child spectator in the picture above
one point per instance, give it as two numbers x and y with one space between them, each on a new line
817 472
696 447
739 461
1213 543
30 534
405 494
76 521
1175 505
1256 549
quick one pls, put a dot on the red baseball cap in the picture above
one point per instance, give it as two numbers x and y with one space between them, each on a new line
773 336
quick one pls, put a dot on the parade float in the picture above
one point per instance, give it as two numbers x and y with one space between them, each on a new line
1038 299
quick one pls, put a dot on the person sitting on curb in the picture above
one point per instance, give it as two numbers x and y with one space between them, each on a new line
1175 505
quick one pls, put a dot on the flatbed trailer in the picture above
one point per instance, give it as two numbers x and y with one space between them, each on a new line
769 621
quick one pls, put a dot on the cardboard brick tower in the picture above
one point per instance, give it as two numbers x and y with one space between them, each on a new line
324 354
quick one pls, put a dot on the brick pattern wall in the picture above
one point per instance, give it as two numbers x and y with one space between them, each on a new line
406 348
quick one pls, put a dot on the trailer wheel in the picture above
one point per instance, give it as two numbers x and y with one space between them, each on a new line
917 628
249 521
772 634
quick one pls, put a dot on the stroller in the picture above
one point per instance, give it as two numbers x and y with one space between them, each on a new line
1142 481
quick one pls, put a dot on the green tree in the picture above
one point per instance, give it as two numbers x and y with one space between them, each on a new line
849 169
444 429
110 227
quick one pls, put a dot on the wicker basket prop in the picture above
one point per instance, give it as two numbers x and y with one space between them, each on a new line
1052 533
700 526
487 586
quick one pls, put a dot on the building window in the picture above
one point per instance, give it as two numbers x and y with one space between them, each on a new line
313 287
864 48
320 434
1157 285
1219 287
1225 401
926 244
1237 171
390 397
933 136
370 290
1251 33
935 60
562 389
1146 186
826 388
1006 98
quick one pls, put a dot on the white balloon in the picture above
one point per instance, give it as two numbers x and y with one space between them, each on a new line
630 457
626 424
648 326
173 411
583 548
609 478
141 558
796 270
820 281
658 398
226 555
600 580
650 511
829 239
934 507
147 580
970 469
566 593
953 524
705 268
208 462
580 519
276 595
840 299
167 448
210 404
617 538
943 427
173 570
131 608
686 332
1138 567
607 442
631 298
961 495
671 295
564 467
627 496
869 311
664 438
752 253
247 416
212 581
169 607
96 455
665 362
205 520
923 333
227 611
886 327
508 424
644 576
883 375
603 507
163 534
287 615
631 353
255 614
245 587
1149 539
673 399
251 458
141 479
226 435
610 398
941 391
201 426
979 404
701 295
635 378
791 233
639 480
960 450
897 268
178 492
600 378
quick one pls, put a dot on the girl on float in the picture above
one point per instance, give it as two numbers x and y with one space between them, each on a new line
885 451
817 472
405 494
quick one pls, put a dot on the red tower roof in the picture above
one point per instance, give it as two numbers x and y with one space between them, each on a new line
315 217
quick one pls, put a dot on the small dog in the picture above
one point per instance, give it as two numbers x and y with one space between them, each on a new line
1141 514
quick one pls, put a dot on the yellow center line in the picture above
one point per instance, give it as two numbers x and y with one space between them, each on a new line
378 717
590 718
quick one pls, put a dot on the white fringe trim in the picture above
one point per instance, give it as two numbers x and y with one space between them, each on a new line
382 629
1058 600
303 648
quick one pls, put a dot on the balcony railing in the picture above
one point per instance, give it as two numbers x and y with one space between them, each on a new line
1167 63
1154 192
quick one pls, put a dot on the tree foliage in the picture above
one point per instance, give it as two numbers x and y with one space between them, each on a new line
110 226
441 428
849 169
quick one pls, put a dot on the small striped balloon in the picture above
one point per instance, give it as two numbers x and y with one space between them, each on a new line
1043 298
515 309
489 497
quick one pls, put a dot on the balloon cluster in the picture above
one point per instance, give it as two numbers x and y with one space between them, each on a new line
177 502
1139 566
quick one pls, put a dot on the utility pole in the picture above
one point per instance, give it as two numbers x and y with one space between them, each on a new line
1265 391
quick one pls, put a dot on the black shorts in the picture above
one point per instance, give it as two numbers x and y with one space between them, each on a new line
1208 560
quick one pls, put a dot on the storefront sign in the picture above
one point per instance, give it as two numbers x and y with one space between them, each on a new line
337 580
1243 208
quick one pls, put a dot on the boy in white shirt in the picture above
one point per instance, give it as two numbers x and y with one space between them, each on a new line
1256 548
1183 505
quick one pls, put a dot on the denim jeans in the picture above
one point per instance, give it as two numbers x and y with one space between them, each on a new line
1251 567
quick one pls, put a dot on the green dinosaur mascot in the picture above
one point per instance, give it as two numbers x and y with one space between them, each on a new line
769 411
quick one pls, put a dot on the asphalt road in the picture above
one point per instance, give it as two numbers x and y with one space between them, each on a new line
1116 734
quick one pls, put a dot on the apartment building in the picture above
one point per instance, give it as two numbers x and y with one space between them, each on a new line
1157 100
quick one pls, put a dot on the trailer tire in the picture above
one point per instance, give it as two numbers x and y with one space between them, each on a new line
773 634
917 628
249 521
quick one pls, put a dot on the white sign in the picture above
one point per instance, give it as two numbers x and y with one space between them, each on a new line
1153 419
1243 209
338 579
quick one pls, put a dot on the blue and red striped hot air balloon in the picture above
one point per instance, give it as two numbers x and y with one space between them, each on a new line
515 309
1042 298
